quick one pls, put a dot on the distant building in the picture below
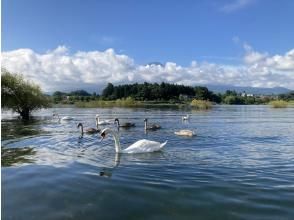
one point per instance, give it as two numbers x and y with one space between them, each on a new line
244 94
183 97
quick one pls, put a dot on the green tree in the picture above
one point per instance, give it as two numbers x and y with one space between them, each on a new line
202 93
108 91
21 95
79 93
233 100
58 96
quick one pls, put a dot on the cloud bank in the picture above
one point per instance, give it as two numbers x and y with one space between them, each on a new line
59 69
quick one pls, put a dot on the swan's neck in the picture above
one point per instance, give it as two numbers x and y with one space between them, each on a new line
81 129
145 125
97 122
116 142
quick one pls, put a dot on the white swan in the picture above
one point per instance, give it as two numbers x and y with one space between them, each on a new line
141 146
184 118
103 122
152 127
65 118
185 133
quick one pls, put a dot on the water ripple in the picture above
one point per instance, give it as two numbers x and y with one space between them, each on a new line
240 165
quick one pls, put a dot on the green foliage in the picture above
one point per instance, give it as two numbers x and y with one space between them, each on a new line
202 93
147 91
287 97
20 95
233 100
127 102
164 93
279 104
231 93
79 93
108 91
58 96
11 156
201 104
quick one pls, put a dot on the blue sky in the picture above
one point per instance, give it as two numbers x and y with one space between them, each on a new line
215 31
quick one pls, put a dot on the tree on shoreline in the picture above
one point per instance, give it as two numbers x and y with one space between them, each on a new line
21 96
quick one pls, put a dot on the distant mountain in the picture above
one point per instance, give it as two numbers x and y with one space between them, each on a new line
252 90
155 64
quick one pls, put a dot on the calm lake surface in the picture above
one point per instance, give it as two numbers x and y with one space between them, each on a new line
239 166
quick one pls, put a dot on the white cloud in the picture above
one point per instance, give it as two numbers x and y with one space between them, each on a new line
58 69
252 56
235 5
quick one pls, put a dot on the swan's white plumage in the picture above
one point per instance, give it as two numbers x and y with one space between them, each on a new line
185 133
144 146
67 118
141 146
186 117
103 122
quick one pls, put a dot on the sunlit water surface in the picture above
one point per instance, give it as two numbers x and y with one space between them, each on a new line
239 166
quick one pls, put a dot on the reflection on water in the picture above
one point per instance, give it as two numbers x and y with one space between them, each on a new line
14 156
240 164
107 171
17 128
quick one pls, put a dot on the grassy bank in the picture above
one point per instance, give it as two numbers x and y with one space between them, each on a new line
201 104
128 102
278 104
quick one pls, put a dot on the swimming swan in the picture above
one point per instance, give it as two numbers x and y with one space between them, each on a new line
88 130
124 125
141 146
151 127
185 133
65 118
103 122
184 118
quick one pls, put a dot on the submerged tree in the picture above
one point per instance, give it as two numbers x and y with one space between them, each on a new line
20 95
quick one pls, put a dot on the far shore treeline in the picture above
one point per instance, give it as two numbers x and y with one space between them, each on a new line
165 93
23 96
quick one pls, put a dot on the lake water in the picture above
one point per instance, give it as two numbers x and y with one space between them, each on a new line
239 166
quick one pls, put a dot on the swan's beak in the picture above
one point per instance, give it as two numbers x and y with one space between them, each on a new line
103 135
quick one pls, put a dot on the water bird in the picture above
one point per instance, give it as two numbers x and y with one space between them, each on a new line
87 130
124 125
103 122
188 133
185 118
65 118
152 126
141 146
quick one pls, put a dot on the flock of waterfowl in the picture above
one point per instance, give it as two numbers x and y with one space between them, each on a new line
141 146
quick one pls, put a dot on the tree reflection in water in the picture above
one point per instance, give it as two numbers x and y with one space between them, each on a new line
13 156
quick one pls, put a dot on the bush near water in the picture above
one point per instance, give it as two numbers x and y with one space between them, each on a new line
279 104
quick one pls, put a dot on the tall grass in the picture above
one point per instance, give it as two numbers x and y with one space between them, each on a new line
127 102
279 104
201 104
